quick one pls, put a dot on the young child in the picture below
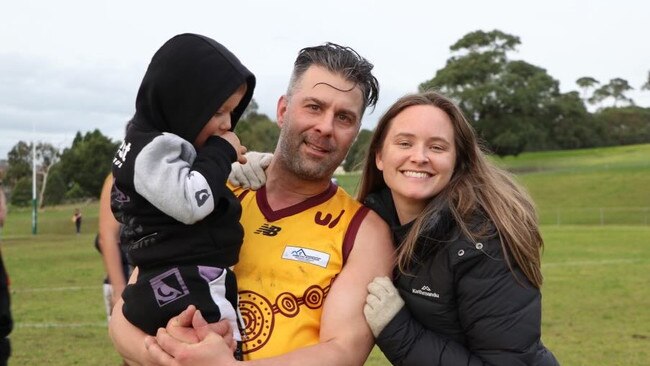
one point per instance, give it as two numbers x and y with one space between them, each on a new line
180 221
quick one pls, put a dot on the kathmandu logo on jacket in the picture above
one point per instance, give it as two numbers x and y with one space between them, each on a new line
201 197
425 291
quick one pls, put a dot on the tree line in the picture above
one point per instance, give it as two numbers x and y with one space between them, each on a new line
78 172
514 106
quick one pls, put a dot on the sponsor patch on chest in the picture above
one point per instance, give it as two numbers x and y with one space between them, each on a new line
306 255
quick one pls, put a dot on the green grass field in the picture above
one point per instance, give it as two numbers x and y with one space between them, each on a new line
596 294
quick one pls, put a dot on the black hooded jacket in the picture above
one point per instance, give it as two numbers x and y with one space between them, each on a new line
463 305
171 199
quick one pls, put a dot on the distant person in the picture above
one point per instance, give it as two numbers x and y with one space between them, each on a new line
76 219
108 244
6 321
180 220
467 289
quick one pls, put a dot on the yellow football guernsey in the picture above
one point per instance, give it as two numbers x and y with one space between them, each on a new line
286 266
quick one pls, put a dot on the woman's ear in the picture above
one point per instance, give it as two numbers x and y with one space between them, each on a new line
378 162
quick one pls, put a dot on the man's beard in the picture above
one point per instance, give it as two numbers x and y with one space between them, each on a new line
302 166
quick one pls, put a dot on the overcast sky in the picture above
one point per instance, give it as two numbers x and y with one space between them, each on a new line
68 66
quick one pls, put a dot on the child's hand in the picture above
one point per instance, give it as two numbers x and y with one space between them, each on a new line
234 141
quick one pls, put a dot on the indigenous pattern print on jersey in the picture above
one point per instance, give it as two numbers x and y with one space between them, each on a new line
288 262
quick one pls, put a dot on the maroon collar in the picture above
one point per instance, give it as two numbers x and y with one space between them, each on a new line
271 215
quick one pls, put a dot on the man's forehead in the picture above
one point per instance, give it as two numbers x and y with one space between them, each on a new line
323 83
315 75
319 79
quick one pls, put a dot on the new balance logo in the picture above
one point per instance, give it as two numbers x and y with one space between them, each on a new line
425 291
268 230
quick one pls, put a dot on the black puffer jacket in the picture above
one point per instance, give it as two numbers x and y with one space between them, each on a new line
463 304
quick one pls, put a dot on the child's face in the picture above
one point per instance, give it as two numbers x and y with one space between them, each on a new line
220 121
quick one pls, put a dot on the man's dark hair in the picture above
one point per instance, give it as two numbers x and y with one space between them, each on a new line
339 60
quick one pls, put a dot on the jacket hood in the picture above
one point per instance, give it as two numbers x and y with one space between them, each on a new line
187 81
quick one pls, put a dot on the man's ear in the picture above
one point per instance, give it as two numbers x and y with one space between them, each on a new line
281 109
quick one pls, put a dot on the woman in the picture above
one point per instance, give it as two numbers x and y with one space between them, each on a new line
468 244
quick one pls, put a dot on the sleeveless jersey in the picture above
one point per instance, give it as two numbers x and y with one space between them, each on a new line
287 264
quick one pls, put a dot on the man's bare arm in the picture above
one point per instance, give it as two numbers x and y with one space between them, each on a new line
127 339
345 336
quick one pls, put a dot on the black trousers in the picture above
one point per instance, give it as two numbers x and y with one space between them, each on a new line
158 295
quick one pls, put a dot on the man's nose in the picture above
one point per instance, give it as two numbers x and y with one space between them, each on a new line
325 123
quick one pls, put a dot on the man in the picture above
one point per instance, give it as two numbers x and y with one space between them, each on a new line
6 321
303 284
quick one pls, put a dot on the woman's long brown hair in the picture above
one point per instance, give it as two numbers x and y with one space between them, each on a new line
477 186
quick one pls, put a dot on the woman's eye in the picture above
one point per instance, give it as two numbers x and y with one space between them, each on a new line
438 148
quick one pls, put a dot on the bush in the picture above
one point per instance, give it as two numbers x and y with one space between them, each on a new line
21 195
75 193
55 190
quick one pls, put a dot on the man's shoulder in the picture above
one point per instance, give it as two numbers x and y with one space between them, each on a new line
343 196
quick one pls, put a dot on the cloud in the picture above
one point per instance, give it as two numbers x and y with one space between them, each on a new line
76 65
47 100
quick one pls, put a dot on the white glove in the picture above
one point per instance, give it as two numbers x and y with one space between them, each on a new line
382 304
250 175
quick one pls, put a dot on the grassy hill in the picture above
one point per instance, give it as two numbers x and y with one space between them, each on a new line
615 179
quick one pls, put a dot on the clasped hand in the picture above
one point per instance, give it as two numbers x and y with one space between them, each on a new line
189 340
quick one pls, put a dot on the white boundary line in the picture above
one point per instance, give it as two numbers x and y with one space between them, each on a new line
56 289
590 263
61 325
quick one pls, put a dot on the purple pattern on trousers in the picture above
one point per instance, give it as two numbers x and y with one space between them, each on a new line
210 273
168 287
